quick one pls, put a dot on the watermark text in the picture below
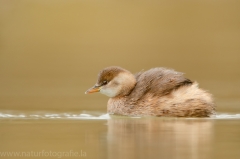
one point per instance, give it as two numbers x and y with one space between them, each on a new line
44 153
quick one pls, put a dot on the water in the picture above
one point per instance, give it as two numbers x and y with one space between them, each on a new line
88 115
91 134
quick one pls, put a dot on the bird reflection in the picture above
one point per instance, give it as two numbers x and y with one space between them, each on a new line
159 138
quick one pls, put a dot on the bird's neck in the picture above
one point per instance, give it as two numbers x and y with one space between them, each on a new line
128 82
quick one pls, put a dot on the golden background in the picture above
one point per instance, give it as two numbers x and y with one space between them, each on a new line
51 51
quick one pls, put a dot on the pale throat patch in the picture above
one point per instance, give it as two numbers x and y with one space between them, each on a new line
110 92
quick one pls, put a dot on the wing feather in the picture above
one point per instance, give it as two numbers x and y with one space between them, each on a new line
157 81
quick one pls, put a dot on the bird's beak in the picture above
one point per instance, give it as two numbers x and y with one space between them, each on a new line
93 89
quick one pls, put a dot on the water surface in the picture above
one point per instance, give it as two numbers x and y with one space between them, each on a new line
92 134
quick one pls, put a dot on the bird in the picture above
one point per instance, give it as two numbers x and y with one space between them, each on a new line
159 92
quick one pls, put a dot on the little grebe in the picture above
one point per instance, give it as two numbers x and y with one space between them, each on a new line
156 92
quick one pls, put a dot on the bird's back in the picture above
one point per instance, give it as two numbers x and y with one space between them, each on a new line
158 82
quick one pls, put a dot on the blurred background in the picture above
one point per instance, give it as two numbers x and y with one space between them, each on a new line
52 51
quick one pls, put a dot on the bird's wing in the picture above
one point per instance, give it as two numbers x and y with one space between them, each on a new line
158 81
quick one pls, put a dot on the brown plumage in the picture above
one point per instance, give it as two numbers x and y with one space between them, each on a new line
156 92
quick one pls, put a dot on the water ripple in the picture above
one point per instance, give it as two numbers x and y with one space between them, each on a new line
52 115
87 115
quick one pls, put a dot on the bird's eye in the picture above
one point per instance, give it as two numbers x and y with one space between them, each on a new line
104 82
